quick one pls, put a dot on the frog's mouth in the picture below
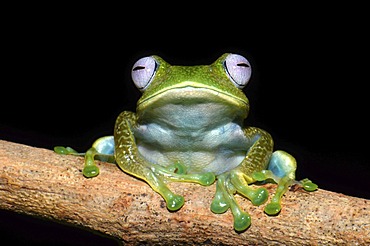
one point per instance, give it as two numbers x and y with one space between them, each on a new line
193 100
193 93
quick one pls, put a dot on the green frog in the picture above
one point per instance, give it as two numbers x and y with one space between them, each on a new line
189 126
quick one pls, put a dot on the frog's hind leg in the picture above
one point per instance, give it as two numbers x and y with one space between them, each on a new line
102 149
281 169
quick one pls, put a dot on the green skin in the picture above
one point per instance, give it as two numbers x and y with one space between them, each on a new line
184 105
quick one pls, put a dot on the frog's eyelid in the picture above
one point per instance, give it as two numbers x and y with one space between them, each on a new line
238 69
143 72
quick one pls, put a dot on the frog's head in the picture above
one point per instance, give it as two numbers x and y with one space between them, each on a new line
220 83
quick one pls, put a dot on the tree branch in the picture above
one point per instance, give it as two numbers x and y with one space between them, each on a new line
39 182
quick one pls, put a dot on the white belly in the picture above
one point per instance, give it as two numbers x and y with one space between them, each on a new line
215 150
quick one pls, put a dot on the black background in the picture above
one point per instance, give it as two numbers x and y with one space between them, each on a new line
66 77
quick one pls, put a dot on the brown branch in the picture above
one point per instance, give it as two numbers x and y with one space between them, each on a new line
39 182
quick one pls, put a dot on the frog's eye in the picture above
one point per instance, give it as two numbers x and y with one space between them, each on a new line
239 69
143 71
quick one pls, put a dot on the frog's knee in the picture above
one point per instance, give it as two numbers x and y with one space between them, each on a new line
104 145
282 164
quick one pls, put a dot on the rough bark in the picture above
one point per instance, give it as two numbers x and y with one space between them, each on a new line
39 182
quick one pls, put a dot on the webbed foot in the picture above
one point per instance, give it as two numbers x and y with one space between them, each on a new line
102 149
282 167
177 172
227 185
308 185
66 151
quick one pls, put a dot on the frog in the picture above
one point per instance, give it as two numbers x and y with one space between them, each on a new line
190 126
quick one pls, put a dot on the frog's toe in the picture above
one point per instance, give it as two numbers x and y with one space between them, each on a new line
174 202
219 204
207 179
259 196
177 173
242 221
219 207
308 185
65 151
273 208
61 150
224 199
90 171
259 176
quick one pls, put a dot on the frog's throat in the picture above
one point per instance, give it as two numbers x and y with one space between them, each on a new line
240 100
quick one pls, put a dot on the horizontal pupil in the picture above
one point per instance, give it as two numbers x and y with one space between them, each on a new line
138 68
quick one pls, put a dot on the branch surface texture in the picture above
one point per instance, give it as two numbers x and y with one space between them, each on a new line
41 183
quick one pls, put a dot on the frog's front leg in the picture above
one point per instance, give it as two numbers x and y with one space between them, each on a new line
129 160
102 149
237 180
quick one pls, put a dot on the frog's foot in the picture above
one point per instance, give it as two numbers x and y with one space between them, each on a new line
227 185
66 151
157 175
282 167
178 173
307 185
102 149
173 201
